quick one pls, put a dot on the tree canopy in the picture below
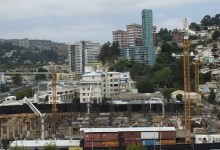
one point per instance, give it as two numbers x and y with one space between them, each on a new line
109 52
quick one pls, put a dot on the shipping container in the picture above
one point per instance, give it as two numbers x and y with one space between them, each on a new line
132 135
126 142
167 142
110 137
110 144
167 135
93 137
92 144
202 139
75 148
149 135
149 142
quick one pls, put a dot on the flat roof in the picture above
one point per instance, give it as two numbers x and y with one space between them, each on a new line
42 143
144 129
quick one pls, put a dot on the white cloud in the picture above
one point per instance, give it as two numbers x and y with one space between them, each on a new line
14 9
72 20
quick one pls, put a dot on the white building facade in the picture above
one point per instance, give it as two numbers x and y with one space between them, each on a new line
81 54
94 86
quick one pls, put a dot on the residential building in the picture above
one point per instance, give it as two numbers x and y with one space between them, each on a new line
143 51
136 53
94 86
25 43
81 54
134 32
120 36
154 35
147 29
2 77
65 90
64 95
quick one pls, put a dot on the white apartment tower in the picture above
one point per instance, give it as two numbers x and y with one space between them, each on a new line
81 54
120 37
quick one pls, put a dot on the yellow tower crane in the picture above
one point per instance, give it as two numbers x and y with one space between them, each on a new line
186 57
197 99
187 115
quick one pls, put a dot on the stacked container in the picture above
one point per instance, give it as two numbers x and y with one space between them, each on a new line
167 137
132 137
93 140
110 140
149 138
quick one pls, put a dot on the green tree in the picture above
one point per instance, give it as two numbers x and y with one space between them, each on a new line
50 147
163 77
18 148
194 26
179 97
216 35
206 21
166 47
145 85
205 77
135 146
212 97
17 79
109 52
41 76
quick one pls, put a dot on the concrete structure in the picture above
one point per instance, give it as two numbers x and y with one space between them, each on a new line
25 43
101 84
192 95
120 36
134 32
81 54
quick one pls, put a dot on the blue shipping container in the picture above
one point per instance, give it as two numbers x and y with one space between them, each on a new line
149 142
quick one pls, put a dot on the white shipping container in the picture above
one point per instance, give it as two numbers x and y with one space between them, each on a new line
149 135
216 138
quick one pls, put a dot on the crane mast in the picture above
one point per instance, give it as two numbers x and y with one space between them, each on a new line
54 91
197 86
187 117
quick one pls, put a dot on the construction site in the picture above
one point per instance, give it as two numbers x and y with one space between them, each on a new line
192 121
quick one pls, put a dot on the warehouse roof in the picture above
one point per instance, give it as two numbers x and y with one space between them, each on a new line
143 129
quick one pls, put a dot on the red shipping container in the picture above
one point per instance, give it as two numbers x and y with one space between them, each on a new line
93 137
167 135
110 137
92 144
132 135
110 144
132 141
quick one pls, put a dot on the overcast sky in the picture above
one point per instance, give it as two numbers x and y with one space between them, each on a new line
73 20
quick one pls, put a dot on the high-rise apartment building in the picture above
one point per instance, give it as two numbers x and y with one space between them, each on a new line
25 43
120 36
134 32
147 27
154 35
81 54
